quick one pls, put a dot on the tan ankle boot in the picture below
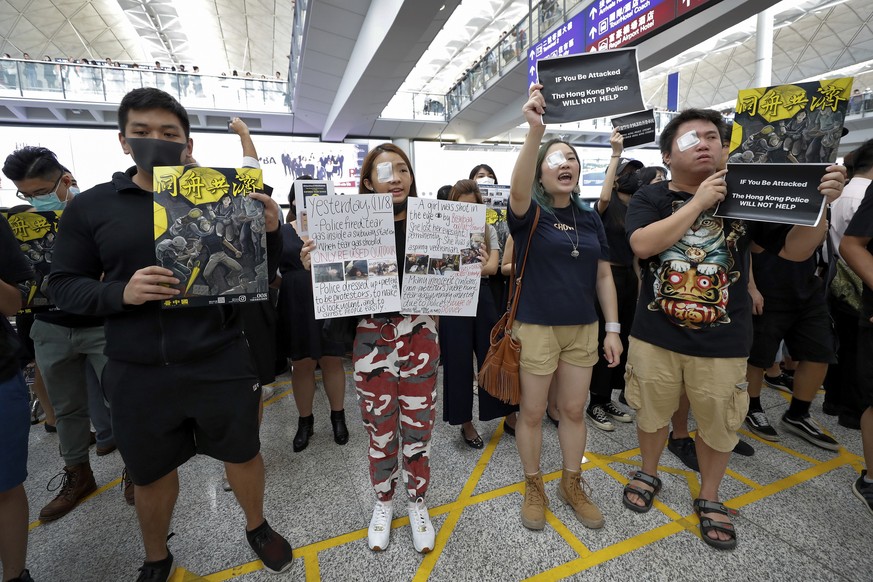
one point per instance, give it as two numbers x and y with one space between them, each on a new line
572 490
533 510
78 482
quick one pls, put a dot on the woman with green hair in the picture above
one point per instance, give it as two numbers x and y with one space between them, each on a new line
566 271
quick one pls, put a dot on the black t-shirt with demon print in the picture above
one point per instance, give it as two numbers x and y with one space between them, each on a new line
694 297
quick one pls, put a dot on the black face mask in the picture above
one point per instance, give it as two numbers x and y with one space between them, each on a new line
149 153
629 183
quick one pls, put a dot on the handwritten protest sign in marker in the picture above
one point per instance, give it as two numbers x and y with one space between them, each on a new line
590 85
782 193
636 129
441 271
354 265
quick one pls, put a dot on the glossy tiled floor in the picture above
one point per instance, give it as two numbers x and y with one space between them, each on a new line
799 519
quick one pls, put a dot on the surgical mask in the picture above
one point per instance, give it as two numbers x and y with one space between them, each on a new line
149 153
73 192
629 183
47 202
485 180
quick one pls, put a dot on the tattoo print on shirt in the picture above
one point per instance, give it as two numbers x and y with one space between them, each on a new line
692 281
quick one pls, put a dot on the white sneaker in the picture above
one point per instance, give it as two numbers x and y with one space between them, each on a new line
422 528
379 533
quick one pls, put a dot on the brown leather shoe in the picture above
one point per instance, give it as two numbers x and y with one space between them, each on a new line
78 482
103 451
129 488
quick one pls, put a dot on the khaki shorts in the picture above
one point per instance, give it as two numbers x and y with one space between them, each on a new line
716 387
543 345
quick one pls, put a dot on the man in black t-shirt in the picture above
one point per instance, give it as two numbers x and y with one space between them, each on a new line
692 328
14 413
794 310
857 250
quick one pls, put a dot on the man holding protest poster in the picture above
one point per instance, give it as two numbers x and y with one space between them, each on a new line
692 326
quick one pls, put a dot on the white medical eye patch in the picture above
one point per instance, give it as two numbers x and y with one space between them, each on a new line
384 172
688 140
555 159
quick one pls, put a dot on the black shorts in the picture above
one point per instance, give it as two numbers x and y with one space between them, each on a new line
865 366
807 329
164 415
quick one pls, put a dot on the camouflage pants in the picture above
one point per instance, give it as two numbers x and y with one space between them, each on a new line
396 360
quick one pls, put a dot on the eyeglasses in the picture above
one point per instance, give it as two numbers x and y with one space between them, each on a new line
22 196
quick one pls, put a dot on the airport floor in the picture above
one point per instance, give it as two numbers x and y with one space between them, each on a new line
798 518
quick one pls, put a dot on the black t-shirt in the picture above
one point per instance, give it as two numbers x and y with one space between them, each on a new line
613 223
559 289
694 298
14 269
786 284
862 227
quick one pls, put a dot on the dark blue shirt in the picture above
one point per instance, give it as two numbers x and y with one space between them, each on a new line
559 289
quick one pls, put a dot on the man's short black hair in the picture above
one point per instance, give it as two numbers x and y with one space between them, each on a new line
32 162
860 159
150 98
669 132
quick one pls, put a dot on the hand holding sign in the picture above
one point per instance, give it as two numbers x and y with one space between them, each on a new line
535 107
711 191
832 183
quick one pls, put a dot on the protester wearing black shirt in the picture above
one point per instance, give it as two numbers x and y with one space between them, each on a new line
14 412
857 250
692 328
179 382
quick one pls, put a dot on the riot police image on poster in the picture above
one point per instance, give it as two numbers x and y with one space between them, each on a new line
211 234
797 124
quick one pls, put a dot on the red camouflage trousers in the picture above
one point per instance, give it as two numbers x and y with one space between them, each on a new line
396 360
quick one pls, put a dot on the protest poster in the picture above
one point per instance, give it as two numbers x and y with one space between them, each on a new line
211 234
636 129
442 270
799 123
36 232
354 265
781 193
590 85
304 189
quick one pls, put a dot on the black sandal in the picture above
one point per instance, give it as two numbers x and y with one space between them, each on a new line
648 497
707 525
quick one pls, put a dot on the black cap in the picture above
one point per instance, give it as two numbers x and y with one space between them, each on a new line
625 162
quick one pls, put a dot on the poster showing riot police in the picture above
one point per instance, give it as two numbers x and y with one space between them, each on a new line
36 232
211 234
795 124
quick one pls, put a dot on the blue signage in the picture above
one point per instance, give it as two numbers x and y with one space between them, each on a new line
608 16
567 38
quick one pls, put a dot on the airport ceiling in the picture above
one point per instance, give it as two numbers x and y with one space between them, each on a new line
812 38
217 35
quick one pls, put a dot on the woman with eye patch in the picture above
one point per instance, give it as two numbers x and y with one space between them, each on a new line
566 271
396 358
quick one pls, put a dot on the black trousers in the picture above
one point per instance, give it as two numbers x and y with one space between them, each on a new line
460 339
603 378
841 383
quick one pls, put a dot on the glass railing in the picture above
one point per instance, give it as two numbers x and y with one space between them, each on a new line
78 82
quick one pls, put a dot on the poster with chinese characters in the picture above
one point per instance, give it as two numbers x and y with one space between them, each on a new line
354 264
445 247
211 234
799 123
36 232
